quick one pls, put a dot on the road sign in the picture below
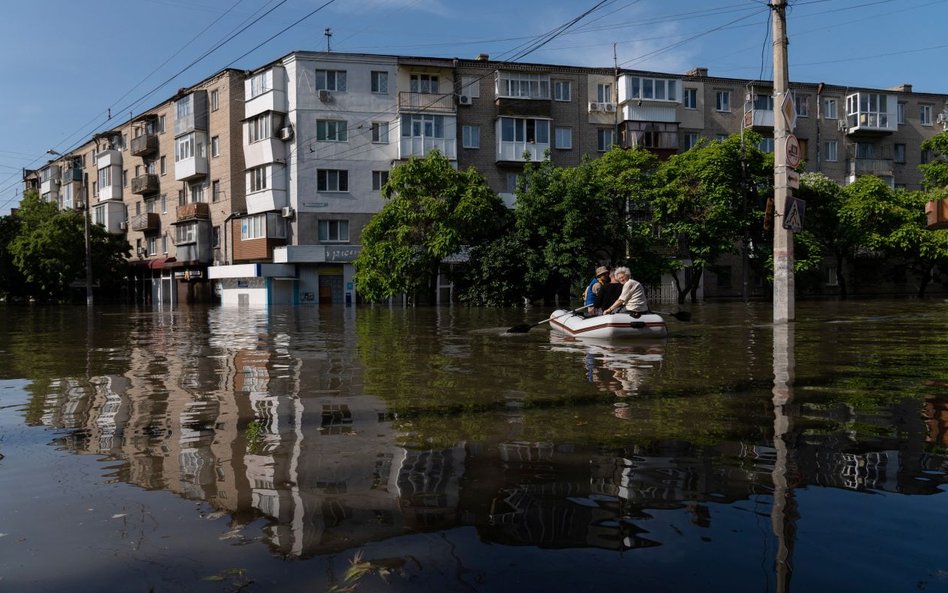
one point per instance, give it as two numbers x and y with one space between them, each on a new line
789 111
793 215
793 151
793 180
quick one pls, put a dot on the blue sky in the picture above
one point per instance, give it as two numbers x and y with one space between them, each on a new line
67 65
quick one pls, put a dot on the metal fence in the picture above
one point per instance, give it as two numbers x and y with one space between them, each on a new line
663 293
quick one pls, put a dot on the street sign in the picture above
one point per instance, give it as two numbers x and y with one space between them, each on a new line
789 111
793 180
793 214
793 151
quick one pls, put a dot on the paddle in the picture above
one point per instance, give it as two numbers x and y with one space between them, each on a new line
524 328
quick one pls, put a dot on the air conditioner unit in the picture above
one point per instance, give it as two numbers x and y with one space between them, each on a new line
287 212
842 125
324 95
595 106
123 225
464 100
286 133
942 117
610 107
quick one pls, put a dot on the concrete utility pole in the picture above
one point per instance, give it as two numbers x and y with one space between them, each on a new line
783 238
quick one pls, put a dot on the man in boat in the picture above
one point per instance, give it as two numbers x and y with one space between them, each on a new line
593 288
608 293
632 299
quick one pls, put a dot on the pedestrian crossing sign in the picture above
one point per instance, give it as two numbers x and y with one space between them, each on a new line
793 215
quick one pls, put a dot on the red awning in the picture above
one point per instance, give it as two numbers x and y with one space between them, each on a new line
159 262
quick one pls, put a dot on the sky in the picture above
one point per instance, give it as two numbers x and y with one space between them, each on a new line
74 68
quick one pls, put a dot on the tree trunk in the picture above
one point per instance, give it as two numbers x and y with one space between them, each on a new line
840 277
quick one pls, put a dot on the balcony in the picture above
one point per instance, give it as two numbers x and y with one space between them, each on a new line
144 145
145 184
870 114
149 221
194 210
877 167
427 102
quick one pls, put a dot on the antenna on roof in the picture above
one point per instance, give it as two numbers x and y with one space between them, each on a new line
328 34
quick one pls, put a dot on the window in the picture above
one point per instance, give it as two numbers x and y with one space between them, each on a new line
691 140
105 177
690 98
525 130
763 102
153 246
471 86
831 148
423 83
655 89
184 148
150 168
185 233
901 113
512 180
331 80
138 208
328 130
379 82
830 108
259 84
864 150
163 165
423 126
802 104
722 100
380 132
379 179
183 108
333 231
470 136
258 128
605 138
257 179
562 90
181 200
899 155
832 279
124 177
161 124
216 236
197 193
563 138
215 100
925 114
926 157
216 191
604 93
766 145
334 180
215 146
164 203
255 227
522 85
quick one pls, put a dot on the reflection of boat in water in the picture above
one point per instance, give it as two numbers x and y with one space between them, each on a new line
616 325
620 367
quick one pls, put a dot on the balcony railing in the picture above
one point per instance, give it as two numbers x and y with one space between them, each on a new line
144 145
428 102
145 184
878 167
194 210
148 221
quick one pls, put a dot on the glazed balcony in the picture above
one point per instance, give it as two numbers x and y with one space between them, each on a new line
145 184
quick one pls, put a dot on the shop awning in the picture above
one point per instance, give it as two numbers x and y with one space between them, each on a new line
159 262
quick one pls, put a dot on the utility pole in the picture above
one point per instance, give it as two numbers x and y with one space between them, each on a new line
783 238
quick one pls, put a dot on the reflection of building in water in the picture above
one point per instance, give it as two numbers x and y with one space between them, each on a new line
621 367
935 413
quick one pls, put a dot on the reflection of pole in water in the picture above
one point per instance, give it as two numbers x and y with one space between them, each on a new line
783 512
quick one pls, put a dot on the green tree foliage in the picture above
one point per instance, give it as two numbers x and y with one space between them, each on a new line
935 172
703 203
824 201
431 212
49 250
12 283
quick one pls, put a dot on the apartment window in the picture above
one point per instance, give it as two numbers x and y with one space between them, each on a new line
470 136
899 155
124 177
831 150
380 132
153 246
830 108
691 140
722 101
150 168
562 90
216 191
216 236
471 86
163 165
655 89
105 177
215 146
864 150
379 179
763 102
512 179
197 193
161 124
185 233
258 128
525 130
423 126
124 141
164 203
331 80
802 105
138 208
832 279
183 108
259 84
332 180
766 145
257 179
334 231
215 100
605 139
253 227
563 138
423 83
522 85
604 93
901 113
926 157
379 82
925 114
184 148
329 130
181 200
689 98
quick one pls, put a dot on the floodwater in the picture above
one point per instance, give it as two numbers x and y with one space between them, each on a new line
427 450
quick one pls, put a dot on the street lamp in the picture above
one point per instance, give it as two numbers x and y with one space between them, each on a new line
85 203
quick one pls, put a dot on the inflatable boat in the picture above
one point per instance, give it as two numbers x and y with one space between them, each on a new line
615 325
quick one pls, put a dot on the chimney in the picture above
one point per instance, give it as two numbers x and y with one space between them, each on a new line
902 88
700 72
482 57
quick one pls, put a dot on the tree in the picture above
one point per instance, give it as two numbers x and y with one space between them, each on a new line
935 171
12 282
824 202
431 212
702 204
